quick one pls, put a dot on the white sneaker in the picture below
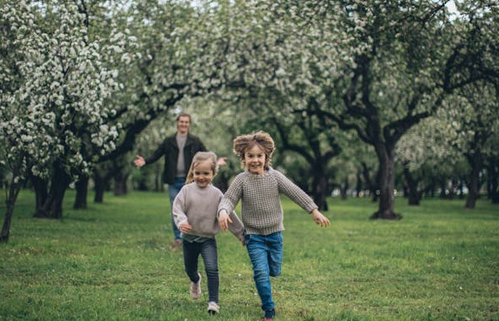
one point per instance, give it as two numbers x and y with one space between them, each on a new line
213 307
196 289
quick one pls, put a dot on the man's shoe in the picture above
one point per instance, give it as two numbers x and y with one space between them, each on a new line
196 289
213 307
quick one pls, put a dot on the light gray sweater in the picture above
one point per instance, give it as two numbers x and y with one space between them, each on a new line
261 209
198 206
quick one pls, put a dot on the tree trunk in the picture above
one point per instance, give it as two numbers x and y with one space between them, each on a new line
120 186
99 187
443 189
493 177
412 186
344 189
99 195
452 188
101 183
460 188
371 184
52 207
41 191
429 190
405 189
319 187
358 186
476 162
81 193
10 202
386 183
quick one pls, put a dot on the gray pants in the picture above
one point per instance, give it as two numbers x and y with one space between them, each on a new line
209 253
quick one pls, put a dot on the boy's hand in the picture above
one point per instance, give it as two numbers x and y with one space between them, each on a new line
224 220
320 219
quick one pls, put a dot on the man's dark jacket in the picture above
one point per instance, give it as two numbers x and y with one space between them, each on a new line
169 149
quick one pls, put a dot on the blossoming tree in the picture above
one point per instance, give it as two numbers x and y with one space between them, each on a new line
53 103
375 67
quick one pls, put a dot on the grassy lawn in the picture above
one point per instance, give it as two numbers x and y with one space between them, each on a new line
113 262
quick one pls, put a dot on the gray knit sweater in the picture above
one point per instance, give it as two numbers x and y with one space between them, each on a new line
198 206
261 208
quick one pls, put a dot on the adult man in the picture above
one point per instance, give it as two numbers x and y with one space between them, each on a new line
178 149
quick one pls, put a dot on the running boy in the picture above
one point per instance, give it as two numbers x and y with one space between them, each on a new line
258 188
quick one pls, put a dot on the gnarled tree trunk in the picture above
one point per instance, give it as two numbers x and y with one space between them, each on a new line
52 207
320 187
41 187
81 193
386 182
412 185
120 183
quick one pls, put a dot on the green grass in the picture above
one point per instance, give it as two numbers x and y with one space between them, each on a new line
113 262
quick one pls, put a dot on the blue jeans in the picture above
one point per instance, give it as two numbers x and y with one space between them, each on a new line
208 251
173 190
265 252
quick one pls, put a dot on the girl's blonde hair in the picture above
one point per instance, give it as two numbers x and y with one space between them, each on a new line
201 157
260 139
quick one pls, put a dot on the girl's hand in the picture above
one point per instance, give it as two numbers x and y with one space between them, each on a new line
185 227
320 219
224 220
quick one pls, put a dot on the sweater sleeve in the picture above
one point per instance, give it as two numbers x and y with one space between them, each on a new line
158 153
178 208
232 196
295 193
237 227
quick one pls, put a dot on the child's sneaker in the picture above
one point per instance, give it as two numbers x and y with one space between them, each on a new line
213 307
269 315
196 289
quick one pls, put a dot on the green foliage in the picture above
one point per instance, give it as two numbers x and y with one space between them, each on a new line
113 262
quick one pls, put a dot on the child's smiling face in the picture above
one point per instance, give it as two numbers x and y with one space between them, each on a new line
203 174
254 159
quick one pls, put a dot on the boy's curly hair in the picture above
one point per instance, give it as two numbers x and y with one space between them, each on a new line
259 138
